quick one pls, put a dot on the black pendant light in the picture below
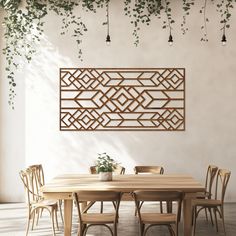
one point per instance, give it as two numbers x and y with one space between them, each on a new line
223 40
170 40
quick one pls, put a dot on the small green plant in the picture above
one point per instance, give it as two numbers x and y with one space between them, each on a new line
105 163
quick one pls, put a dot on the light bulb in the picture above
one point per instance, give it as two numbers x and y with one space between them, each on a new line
170 41
108 40
223 40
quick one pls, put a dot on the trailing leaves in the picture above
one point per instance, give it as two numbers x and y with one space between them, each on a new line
23 28
187 4
224 7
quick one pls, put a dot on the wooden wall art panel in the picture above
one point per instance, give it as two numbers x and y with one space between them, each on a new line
96 99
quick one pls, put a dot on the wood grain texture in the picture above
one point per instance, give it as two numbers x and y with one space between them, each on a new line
124 183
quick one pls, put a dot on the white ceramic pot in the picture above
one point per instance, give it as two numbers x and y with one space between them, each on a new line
105 176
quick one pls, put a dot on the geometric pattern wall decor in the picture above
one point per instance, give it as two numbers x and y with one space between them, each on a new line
100 99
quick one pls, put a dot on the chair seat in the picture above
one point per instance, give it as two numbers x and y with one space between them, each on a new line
206 202
158 218
45 203
98 218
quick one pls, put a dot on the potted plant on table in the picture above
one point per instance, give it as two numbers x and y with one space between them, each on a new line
105 165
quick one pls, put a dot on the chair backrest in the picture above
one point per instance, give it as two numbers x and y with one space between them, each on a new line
168 196
39 174
143 195
222 180
120 170
94 196
31 185
149 169
210 176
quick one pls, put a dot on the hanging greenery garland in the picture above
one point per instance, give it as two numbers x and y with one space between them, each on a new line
24 21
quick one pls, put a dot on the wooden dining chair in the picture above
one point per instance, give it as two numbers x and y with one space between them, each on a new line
210 177
37 170
216 203
151 170
171 220
120 170
35 202
86 220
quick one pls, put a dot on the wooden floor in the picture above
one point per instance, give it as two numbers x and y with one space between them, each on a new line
13 221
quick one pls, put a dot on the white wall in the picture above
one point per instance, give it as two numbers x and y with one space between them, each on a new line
210 102
12 135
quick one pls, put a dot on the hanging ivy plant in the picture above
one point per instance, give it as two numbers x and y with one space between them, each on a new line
70 20
23 28
187 4
23 25
224 8
203 11
141 14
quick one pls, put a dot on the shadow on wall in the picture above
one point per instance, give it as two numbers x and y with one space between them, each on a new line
62 152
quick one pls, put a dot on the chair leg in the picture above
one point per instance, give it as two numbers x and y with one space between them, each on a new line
28 224
33 217
38 213
169 207
211 216
101 209
115 229
206 214
79 230
61 214
177 229
55 215
84 230
161 207
114 204
223 218
215 213
194 220
41 212
136 210
141 229
52 220
172 233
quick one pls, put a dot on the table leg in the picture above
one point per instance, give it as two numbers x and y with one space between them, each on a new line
68 207
188 213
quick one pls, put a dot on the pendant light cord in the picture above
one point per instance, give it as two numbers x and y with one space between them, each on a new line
108 27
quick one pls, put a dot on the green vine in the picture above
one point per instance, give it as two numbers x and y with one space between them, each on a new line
169 21
224 8
65 9
203 11
23 25
22 33
187 4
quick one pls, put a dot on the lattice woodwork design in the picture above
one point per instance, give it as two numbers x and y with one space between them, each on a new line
122 99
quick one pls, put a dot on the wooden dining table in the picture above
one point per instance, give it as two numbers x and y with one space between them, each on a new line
63 186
